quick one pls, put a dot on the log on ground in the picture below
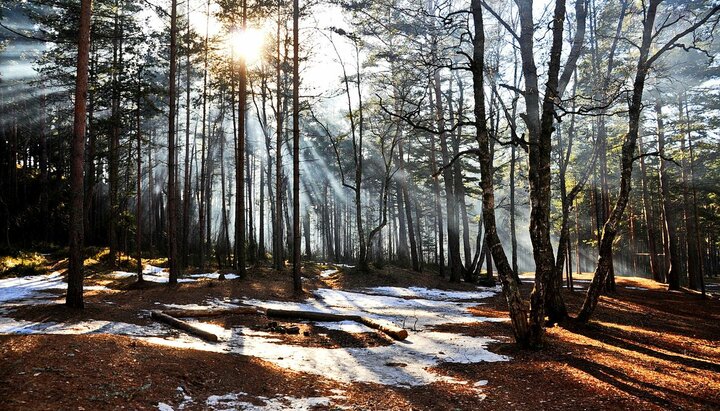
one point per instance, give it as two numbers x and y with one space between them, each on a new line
182 325
217 312
389 329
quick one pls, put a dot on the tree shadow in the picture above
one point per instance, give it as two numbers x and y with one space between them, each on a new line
640 389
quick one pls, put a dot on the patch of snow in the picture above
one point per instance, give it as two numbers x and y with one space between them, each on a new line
32 287
347 326
152 269
12 326
434 294
214 276
157 275
164 407
329 264
422 350
121 274
213 304
328 273
233 402
636 288
151 276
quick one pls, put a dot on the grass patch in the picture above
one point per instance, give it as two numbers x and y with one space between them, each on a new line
22 264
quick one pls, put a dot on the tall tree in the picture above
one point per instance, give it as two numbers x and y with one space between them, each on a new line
74 297
240 248
172 206
645 62
297 281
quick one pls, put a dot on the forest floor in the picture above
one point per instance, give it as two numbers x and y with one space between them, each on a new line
647 348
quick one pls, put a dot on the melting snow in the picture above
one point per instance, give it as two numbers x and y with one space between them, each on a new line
433 294
328 273
423 349
233 402
159 275
241 401
21 289
404 363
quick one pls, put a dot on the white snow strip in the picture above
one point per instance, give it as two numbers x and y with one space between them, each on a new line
347 326
214 276
32 287
434 294
12 326
164 407
233 402
636 288
152 276
328 273
157 275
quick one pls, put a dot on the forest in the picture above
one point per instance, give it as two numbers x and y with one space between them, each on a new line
359 204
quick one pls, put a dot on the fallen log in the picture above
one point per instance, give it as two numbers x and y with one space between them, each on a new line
217 312
308 315
182 325
391 330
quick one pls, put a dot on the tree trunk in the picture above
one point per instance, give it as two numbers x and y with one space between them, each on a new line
540 130
138 206
628 153
649 217
187 169
690 217
448 179
278 257
670 229
114 150
240 247
516 306
204 150
172 188
74 297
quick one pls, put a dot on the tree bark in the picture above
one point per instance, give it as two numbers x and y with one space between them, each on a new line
240 246
516 306
172 188
297 279
629 148
669 221
74 297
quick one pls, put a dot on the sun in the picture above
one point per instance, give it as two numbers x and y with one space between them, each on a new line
247 44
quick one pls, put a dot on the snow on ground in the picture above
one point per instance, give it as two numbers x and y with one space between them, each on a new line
12 326
244 401
160 275
328 273
636 288
429 294
214 276
416 314
233 402
403 363
22 289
